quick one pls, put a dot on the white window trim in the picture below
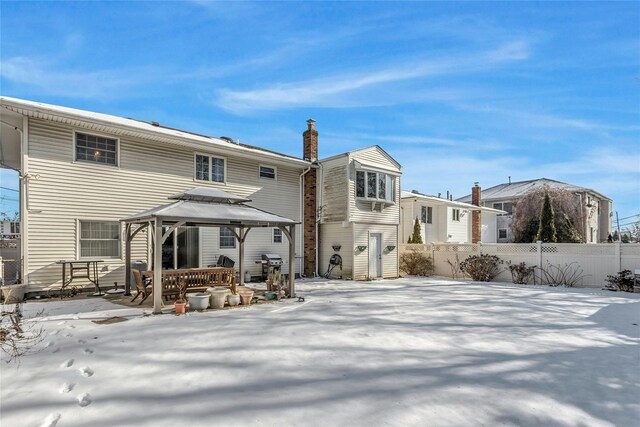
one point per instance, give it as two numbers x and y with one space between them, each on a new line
453 216
273 236
210 181
275 172
101 135
235 243
78 235
366 198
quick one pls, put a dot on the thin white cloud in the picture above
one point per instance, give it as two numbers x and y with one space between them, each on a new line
331 91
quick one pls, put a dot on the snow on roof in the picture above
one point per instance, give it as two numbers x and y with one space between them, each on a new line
440 201
137 128
204 194
517 189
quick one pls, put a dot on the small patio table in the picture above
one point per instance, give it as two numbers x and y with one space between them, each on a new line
87 269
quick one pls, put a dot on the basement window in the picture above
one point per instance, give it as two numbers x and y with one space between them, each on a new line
96 149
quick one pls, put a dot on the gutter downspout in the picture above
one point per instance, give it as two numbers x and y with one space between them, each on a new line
304 172
319 196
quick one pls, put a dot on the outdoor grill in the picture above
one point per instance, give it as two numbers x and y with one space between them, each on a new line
270 263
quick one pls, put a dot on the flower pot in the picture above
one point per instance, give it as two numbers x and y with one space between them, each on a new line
245 296
233 300
180 307
218 296
270 295
198 301
13 294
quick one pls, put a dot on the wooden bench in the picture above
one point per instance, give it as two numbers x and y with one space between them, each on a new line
197 279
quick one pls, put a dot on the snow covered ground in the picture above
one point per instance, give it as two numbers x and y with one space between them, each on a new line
423 352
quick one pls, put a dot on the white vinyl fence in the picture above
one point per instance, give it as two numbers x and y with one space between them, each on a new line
597 261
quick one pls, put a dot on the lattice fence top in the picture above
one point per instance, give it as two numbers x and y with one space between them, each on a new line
509 248
579 249
447 247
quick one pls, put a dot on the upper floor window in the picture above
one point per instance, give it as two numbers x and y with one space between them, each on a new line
502 233
99 239
96 149
209 168
455 214
268 172
504 206
227 238
427 214
277 235
375 186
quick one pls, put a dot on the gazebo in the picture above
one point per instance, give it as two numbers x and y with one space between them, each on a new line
203 207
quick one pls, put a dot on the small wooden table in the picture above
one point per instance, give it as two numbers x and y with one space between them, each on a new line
87 268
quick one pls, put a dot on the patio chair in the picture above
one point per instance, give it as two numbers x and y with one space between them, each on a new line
144 287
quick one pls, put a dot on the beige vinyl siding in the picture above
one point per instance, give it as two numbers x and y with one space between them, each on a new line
361 211
389 258
335 234
335 190
148 172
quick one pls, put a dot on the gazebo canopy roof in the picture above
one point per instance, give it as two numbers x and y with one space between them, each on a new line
208 206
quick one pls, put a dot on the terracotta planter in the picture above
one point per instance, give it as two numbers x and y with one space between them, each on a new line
245 296
13 294
233 300
180 307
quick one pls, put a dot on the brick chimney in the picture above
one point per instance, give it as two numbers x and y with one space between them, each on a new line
476 215
310 142
309 220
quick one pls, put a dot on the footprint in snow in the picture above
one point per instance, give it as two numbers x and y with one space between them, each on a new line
67 387
55 350
51 420
68 335
86 371
82 341
56 332
67 363
72 326
84 399
87 351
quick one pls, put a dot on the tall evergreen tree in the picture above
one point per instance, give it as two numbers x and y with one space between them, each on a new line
547 227
416 237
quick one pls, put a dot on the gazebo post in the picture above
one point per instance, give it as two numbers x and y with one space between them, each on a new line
292 261
241 254
157 267
127 261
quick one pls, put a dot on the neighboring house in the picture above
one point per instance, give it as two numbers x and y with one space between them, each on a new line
443 220
82 172
360 213
9 229
595 220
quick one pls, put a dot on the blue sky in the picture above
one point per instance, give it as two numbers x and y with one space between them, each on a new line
456 92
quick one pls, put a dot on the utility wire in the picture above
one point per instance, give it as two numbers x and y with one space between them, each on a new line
17 191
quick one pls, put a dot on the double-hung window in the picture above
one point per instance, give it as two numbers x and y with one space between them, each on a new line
227 238
96 149
375 186
455 214
99 239
209 168
277 235
427 214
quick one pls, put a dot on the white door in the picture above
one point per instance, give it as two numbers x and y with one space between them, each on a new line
375 255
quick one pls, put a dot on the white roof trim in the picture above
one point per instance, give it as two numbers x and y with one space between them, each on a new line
406 195
374 167
130 127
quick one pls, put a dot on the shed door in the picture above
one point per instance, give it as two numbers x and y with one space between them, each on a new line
375 255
